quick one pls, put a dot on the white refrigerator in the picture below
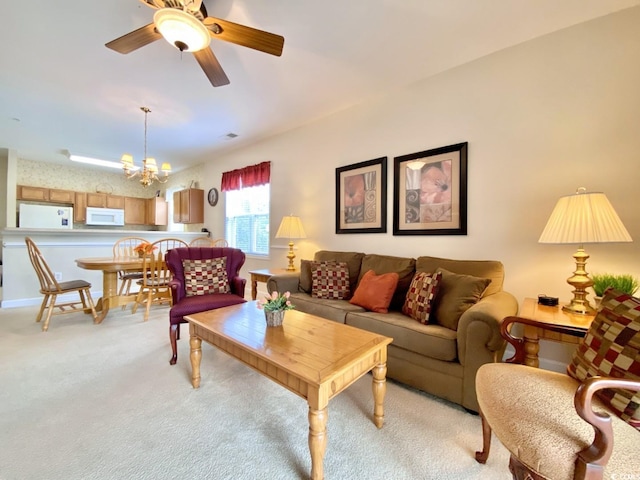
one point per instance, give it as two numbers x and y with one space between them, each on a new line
45 216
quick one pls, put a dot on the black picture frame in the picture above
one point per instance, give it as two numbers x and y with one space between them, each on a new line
430 192
361 197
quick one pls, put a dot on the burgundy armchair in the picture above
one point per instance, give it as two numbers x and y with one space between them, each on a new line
186 305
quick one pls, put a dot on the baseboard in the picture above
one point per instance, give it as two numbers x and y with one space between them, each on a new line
37 301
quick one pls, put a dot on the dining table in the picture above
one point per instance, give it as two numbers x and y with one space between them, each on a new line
110 267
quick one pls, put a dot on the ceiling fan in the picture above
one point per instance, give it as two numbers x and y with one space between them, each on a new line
186 25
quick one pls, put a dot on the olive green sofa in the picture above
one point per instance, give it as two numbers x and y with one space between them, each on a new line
431 357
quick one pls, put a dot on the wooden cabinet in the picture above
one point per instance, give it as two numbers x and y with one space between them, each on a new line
61 196
135 210
96 199
188 206
115 201
33 193
80 207
156 211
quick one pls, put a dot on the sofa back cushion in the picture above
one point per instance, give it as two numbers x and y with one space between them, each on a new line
490 269
304 284
352 259
404 267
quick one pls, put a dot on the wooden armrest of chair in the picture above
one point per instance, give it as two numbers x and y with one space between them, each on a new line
596 455
518 343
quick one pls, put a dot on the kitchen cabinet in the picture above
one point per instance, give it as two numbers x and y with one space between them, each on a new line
96 199
188 206
135 210
156 211
80 207
33 193
61 196
115 201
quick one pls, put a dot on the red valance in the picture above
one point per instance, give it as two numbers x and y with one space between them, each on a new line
250 176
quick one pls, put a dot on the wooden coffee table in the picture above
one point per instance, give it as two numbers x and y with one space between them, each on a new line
313 357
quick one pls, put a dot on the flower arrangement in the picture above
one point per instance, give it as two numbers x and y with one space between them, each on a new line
144 248
276 302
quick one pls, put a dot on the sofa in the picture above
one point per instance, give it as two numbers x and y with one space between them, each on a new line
441 352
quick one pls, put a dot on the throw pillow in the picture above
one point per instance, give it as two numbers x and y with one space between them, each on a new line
202 277
456 294
419 299
611 348
374 292
330 280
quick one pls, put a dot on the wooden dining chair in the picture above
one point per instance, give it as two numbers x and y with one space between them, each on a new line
208 242
51 288
154 284
125 248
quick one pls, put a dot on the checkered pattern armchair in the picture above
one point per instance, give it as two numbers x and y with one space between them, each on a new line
203 278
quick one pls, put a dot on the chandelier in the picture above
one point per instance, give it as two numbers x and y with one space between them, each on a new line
149 172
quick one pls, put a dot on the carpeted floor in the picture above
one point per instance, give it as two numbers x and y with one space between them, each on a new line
85 401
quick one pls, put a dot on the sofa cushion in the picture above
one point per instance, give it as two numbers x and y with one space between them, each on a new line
335 310
611 348
404 267
330 280
202 277
374 292
456 294
419 299
304 284
432 341
352 259
491 269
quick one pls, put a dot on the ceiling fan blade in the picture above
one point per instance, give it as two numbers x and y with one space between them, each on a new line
211 67
134 40
246 36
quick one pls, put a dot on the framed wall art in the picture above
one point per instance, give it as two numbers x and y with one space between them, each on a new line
361 197
430 192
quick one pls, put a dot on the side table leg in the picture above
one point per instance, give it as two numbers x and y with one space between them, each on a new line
254 288
317 441
196 355
379 386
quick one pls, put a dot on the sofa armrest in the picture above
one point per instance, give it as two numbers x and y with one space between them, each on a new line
479 326
286 282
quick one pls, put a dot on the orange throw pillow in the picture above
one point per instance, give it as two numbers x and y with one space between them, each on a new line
374 292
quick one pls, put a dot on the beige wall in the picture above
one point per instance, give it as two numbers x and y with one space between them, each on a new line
541 119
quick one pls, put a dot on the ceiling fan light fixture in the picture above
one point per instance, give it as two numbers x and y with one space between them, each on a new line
182 30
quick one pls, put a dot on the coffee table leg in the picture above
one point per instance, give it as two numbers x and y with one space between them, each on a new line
317 441
379 391
196 355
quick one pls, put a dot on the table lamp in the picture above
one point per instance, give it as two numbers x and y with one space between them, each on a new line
585 217
291 227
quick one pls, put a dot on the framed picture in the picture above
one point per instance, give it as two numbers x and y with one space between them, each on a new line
361 197
430 192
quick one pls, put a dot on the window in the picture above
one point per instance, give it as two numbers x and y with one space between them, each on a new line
246 223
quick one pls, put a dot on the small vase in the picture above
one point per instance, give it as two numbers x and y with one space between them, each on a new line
274 318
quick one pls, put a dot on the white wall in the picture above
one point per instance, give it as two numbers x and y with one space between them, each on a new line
541 119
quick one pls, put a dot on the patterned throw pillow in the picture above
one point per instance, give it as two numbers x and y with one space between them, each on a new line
420 295
611 348
202 277
330 280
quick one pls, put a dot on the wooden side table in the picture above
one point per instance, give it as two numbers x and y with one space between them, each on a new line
559 326
263 276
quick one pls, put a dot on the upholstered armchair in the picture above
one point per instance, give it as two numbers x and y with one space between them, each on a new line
203 278
580 425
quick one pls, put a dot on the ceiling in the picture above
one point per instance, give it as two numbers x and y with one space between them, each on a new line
62 90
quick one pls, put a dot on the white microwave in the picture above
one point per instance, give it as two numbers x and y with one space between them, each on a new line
105 216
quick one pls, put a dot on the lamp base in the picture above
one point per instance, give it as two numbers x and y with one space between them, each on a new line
580 281
291 256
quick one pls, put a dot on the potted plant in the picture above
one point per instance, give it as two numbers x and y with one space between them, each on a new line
625 282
